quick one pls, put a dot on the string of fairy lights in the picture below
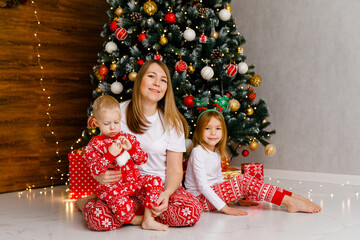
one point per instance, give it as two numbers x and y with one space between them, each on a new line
48 98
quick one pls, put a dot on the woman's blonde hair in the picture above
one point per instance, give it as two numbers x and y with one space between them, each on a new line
104 102
135 118
201 124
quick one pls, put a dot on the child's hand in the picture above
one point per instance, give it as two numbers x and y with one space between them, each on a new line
115 148
233 211
125 143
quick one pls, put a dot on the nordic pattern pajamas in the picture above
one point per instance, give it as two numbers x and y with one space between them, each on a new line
241 186
132 183
183 210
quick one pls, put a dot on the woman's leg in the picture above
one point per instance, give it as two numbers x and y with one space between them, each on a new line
183 209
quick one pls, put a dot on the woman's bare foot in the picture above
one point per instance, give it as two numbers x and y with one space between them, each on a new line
151 224
297 203
80 203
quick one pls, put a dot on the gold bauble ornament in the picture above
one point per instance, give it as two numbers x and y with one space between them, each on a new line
255 80
119 11
113 67
227 7
240 50
264 121
150 7
214 35
234 105
132 76
98 90
253 145
190 69
249 111
163 40
270 150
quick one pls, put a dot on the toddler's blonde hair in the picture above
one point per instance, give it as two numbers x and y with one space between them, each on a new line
105 102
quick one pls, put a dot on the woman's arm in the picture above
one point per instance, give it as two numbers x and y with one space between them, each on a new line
174 175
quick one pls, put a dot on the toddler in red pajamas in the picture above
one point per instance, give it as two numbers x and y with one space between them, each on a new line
119 150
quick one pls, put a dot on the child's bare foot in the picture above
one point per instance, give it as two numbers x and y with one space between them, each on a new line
297 203
79 203
151 224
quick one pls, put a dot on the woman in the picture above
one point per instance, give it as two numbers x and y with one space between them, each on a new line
151 115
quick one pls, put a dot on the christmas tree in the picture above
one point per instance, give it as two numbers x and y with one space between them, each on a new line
203 50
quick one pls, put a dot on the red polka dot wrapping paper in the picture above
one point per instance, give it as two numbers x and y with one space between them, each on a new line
82 183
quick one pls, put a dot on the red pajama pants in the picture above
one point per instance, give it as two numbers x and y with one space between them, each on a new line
117 196
242 186
183 210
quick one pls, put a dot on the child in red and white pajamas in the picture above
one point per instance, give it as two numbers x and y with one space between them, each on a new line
121 151
204 179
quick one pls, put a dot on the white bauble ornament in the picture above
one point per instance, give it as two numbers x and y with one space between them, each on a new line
188 144
224 15
111 47
207 73
116 87
242 68
189 35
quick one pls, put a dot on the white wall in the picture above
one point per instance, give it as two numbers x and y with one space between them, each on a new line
308 54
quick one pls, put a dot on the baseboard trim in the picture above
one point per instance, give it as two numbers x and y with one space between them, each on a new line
313 176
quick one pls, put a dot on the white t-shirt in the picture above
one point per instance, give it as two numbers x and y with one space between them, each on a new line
155 141
203 171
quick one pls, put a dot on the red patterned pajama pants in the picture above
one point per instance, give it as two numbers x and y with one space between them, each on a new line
183 210
247 186
117 195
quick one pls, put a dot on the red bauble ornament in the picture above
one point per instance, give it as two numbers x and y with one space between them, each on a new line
103 71
158 57
231 70
180 66
91 122
123 78
251 95
140 62
121 33
203 38
245 153
142 36
113 26
170 18
189 101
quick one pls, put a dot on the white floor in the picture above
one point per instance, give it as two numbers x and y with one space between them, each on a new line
49 214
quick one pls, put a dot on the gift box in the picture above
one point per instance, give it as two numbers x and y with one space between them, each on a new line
82 183
230 173
254 169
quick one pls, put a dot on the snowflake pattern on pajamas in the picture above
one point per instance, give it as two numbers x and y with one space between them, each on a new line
241 186
174 216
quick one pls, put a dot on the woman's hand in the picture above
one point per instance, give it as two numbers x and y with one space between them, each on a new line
161 204
233 211
109 177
